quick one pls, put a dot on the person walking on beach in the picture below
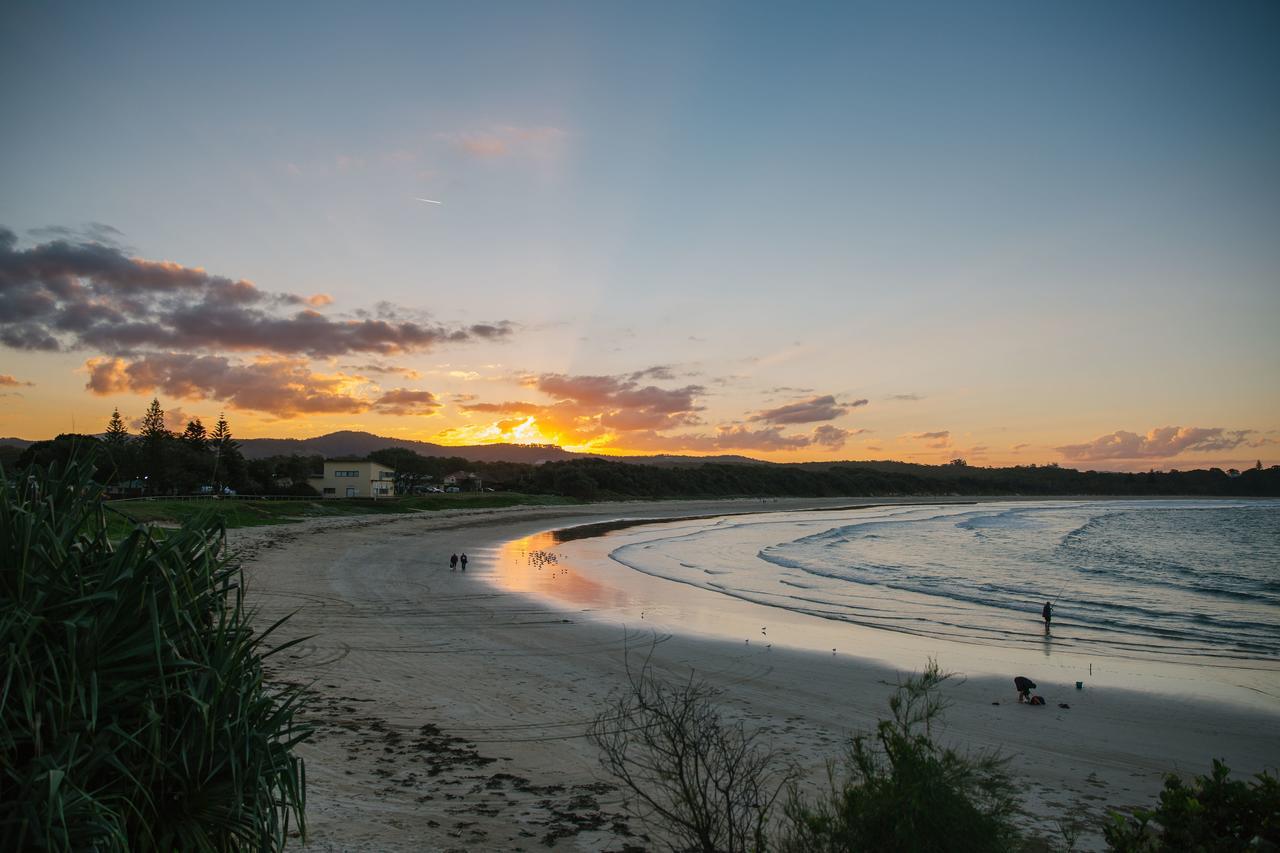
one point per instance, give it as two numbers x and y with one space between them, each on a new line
453 563
463 560
1047 613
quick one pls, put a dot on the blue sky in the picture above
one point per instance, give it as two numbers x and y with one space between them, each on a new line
1051 224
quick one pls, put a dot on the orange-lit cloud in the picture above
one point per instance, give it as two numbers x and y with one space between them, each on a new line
1158 443
282 387
7 381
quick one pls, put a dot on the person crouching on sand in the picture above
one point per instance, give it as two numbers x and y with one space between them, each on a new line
1025 686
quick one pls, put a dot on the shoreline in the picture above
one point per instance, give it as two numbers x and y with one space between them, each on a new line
452 711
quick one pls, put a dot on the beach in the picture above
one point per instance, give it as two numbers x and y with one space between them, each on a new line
451 707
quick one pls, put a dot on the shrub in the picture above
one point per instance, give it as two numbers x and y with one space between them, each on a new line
133 709
1214 813
903 791
708 784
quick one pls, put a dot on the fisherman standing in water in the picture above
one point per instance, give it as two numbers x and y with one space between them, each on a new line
1047 613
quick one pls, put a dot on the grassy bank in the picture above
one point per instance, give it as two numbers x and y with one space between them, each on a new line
248 512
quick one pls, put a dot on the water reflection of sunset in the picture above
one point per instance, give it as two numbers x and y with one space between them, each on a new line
532 565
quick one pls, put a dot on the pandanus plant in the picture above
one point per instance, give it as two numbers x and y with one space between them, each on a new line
134 711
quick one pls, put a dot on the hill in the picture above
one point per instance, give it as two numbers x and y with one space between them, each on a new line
354 443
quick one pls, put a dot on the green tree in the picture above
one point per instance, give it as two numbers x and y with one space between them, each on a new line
117 434
194 436
229 468
153 428
154 438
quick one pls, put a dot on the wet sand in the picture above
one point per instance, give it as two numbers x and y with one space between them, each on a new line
452 707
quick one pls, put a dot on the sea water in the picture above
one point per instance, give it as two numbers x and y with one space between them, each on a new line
1149 579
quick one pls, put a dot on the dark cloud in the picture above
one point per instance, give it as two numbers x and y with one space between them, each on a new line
64 294
808 411
658 371
403 401
738 437
939 440
406 372
1159 443
830 437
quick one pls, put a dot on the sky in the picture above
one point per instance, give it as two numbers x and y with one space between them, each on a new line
1009 233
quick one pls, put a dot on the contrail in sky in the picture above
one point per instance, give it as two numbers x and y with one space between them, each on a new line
429 200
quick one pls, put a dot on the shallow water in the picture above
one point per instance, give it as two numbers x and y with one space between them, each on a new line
1163 579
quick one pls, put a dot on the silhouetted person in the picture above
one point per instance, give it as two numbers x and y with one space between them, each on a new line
1047 613
463 560
1025 686
453 563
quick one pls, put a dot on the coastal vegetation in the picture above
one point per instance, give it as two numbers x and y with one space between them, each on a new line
1211 813
707 784
134 709
711 785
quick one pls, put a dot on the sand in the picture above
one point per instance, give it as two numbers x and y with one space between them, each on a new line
451 708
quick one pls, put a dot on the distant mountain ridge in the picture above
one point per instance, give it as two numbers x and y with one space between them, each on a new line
355 443
358 443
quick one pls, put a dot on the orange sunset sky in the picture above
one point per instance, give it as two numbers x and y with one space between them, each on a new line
1006 234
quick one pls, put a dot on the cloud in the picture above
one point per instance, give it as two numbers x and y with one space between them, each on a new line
78 295
403 401
658 371
906 398
739 437
813 409
282 387
1158 443
939 440
373 367
505 140
830 437
7 381
175 420
1023 446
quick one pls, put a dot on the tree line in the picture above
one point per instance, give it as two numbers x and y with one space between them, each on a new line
157 461
160 461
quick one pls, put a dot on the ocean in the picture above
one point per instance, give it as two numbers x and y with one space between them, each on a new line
1148 579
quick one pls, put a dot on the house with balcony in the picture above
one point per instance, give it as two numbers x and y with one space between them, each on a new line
462 481
354 478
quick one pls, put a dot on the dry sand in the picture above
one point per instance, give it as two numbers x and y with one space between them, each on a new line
452 711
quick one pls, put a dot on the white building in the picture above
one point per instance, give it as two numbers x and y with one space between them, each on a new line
354 478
